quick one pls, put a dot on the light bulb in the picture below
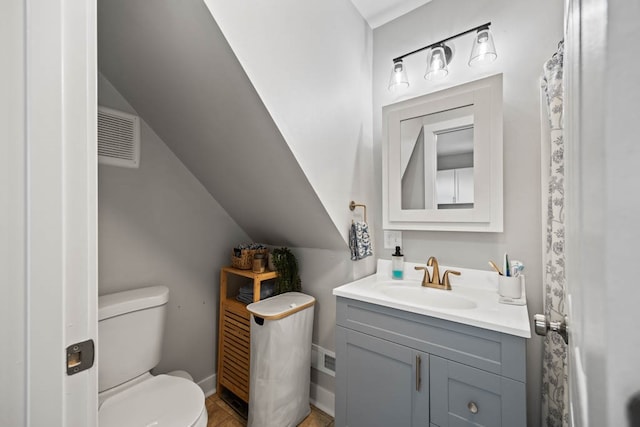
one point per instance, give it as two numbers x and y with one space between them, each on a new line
483 50
398 79
437 63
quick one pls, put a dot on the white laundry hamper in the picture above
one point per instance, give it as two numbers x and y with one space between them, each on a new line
281 329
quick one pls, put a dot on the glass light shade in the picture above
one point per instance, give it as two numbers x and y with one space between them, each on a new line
483 51
436 64
398 79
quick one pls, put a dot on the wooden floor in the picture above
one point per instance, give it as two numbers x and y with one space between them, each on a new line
222 415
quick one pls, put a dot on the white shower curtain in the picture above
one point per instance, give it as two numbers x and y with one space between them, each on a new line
555 391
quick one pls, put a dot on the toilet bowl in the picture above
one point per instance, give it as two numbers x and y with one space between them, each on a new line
161 400
130 329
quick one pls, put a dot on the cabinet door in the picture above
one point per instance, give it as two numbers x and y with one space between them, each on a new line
454 186
379 383
446 187
466 396
464 185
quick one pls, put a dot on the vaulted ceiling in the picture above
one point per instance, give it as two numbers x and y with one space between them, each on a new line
173 65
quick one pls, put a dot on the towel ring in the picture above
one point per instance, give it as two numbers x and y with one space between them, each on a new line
353 205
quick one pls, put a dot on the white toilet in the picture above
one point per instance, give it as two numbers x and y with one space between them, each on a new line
130 328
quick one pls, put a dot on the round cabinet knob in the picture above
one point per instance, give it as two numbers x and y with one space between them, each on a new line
473 408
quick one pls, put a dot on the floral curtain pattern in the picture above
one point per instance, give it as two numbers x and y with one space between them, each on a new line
555 390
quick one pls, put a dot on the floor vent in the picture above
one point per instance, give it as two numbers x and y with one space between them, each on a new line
118 138
323 360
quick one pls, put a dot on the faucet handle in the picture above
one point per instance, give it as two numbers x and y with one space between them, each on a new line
445 278
425 279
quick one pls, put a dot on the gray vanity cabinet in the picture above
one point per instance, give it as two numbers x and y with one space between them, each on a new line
387 384
465 396
395 368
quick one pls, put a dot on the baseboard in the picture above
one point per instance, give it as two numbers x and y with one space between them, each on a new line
208 385
322 399
319 397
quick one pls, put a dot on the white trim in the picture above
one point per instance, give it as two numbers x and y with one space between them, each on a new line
61 202
322 399
13 320
319 397
484 97
208 385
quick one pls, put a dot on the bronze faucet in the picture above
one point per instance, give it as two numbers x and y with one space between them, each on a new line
434 280
445 279
425 279
435 277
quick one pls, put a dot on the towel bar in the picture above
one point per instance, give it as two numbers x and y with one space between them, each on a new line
353 205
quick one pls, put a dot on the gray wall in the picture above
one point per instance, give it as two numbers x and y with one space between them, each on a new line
526 34
310 63
322 270
159 226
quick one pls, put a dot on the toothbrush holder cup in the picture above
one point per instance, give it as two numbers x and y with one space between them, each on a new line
510 287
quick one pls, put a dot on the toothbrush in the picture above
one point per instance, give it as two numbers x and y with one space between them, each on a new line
507 267
516 268
495 267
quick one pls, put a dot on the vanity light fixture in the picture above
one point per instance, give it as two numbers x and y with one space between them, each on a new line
399 78
439 56
483 51
438 62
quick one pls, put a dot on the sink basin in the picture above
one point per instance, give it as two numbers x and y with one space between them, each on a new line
416 294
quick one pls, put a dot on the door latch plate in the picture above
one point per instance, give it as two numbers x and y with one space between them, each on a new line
80 356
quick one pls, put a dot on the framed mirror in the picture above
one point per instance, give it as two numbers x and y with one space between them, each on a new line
442 160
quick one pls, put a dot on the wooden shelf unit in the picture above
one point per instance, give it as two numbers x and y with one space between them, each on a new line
234 337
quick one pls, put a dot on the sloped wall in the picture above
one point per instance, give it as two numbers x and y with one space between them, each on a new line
173 64
310 62
159 226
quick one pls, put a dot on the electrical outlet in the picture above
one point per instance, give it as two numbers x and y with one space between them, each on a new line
392 238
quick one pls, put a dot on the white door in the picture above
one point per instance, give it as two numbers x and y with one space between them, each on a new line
579 282
602 92
48 198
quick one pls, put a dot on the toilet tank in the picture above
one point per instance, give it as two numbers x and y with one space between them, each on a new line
130 330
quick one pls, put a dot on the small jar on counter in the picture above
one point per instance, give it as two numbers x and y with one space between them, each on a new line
259 263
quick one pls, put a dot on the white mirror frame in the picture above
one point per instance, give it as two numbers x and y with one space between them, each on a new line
485 98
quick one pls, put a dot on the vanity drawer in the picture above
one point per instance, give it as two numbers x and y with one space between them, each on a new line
491 351
466 396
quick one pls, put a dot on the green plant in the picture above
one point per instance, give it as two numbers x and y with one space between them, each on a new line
288 279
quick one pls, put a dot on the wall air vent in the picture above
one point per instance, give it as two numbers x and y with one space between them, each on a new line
323 360
118 138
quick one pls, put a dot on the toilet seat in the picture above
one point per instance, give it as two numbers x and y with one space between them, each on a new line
161 400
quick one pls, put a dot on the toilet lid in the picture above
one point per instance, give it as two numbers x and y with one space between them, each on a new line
159 401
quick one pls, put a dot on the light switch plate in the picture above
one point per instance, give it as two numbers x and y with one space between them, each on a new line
392 238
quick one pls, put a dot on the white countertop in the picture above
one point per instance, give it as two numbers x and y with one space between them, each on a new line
479 286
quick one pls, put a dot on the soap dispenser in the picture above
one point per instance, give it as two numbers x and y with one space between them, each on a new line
397 264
